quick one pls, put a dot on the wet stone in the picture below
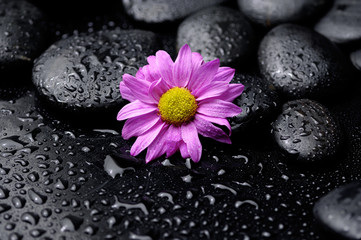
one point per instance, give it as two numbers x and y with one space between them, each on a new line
301 63
217 32
84 71
259 101
22 35
342 23
340 211
306 130
158 11
274 12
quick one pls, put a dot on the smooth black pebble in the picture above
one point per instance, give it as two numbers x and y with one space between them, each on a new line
301 63
274 12
339 211
217 32
342 24
259 102
158 11
306 129
22 35
84 72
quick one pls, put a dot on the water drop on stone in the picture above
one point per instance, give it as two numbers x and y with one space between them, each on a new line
70 223
31 218
112 168
36 197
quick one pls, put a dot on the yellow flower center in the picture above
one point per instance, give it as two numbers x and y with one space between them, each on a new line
177 106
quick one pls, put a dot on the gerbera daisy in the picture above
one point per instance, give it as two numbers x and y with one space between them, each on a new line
172 102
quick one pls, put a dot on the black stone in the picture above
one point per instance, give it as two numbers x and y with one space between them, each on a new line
158 11
217 32
339 211
342 23
259 102
84 72
274 12
307 130
22 35
356 59
301 63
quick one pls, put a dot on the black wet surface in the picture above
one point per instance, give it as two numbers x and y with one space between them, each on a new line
68 176
61 181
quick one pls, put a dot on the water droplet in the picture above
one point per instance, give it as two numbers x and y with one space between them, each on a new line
241 157
35 233
240 203
4 207
112 168
140 206
29 217
189 195
61 184
134 236
46 212
36 197
166 195
15 236
106 131
187 178
167 163
111 221
4 192
9 145
90 230
70 223
33 176
221 186
18 201
211 199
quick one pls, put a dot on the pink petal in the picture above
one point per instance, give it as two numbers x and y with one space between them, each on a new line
207 129
139 125
210 91
183 150
140 74
234 90
165 66
172 148
152 60
197 61
146 139
135 109
149 75
224 74
156 148
182 66
158 88
126 93
204 75
138 87
173 139
218 108
216 120
191 139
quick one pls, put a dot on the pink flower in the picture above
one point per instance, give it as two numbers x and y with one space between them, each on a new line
171 102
